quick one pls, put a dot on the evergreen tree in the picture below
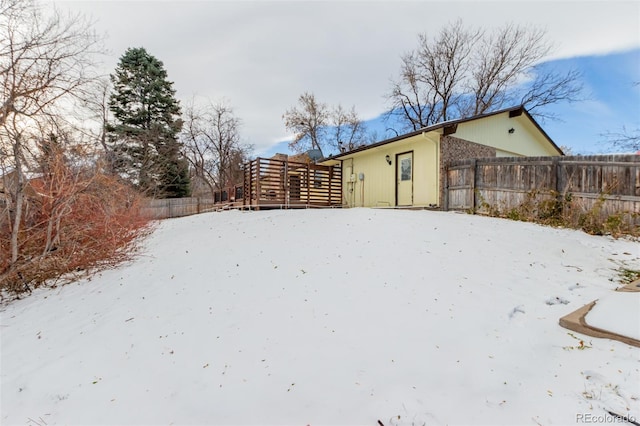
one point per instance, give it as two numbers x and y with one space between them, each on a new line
143 136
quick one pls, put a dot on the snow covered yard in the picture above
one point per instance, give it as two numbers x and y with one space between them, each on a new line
337 317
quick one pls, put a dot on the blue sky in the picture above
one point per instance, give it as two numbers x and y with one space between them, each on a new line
611 103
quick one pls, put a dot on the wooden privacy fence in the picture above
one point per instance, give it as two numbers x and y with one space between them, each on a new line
177 207
271 183
612 182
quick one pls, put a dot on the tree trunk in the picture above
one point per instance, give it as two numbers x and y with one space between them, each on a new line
17 219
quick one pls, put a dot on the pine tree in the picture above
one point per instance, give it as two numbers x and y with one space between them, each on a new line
143 136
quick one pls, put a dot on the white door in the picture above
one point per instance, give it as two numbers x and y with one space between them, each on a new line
404 179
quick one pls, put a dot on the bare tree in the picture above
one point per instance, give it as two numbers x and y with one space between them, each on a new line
307 121
211 140
348 130
432 77
97 107
624 139
316 125
464 72
45 66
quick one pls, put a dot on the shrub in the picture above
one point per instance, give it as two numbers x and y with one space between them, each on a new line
74 222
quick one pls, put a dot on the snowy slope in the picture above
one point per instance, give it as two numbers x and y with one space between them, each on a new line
337 317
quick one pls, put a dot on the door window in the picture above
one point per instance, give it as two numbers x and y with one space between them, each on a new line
405 169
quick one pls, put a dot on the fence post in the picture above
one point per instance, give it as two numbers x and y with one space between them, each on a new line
248 184
445 195
474 165
308 184
258 189
286 183
330 183
557 184
555 175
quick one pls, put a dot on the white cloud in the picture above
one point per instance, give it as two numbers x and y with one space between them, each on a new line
263 55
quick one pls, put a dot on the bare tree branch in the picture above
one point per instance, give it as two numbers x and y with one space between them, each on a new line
307 121
318 126
548 89
45 64
211 140
348 130
465 72
626 139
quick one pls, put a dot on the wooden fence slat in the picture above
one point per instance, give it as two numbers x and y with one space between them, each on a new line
474 174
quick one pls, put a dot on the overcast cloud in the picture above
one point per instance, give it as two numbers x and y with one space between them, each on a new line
262 55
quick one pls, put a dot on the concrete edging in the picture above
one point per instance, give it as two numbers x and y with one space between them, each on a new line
632 286
576 321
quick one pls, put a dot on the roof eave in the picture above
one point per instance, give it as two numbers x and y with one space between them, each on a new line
449 127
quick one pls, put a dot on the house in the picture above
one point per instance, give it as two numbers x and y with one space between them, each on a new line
408 170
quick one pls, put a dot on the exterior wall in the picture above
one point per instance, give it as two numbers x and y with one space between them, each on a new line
453 148
526 139
378 189
501 153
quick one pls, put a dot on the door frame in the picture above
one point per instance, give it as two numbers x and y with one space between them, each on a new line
396 175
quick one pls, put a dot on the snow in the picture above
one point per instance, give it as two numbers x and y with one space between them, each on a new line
618 313
335 317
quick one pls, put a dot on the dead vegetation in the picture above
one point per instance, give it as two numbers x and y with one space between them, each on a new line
563 210
75 220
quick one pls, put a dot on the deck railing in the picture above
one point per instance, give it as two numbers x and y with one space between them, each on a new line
270 183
